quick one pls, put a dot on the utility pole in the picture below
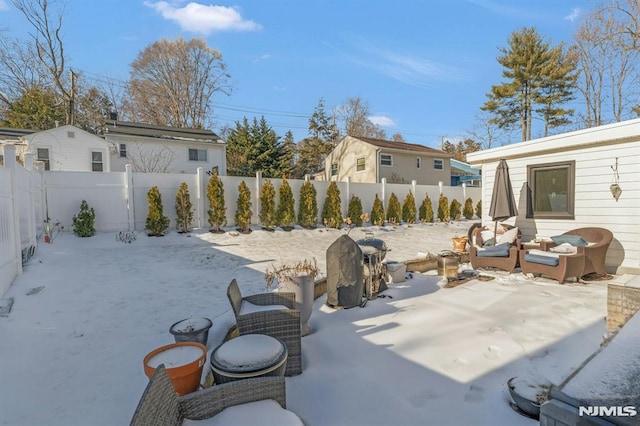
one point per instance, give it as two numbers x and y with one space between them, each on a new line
72 107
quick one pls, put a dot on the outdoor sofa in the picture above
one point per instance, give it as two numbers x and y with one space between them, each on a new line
499 253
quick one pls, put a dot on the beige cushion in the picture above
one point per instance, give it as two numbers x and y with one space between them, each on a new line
265 412
564 248
249 308
509 236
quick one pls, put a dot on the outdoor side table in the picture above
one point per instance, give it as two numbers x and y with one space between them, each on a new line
247 356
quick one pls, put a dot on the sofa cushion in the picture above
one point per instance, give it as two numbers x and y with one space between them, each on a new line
541 259
265 412
500 250
509 236
564 248
574 240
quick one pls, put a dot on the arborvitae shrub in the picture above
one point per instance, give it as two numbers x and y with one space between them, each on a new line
308 210
454 209
467 211
84 223
217 210
286 216
157 223
332 210
479 209
243 208
268 205
394 210
443 209
354 211
426 210
184 209
377 212
409 208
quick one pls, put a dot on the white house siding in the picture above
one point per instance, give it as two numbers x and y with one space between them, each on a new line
594 151
69 148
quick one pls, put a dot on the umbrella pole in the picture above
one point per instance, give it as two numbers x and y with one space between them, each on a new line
495 233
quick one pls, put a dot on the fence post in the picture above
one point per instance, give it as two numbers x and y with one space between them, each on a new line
348 200
383 189
11 164
464 192
201 195
31 222
128 187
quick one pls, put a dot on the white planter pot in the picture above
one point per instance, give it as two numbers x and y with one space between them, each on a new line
303 287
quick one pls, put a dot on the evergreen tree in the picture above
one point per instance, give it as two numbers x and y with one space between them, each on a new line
479 209
286 215
323 135
426 210
157 223
467 211
354 211
253 147
332 210
308 210
377 212
243 209
454 209
287 155
184 208
409 209
394 210
443 209
84 223
217 211
268 205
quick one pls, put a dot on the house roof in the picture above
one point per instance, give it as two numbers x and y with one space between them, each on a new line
403 146
126 128
463 167
9 133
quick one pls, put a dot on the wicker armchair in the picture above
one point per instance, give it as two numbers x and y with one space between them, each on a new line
595 253
569 265
161 405
281 321
507 263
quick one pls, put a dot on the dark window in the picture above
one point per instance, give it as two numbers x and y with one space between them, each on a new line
43 155
438 164
551 190
418 162
334 169
386 160
96 161
123 150
197 154
360 164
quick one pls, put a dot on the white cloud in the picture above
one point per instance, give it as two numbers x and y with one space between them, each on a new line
199 18
381 120
575 13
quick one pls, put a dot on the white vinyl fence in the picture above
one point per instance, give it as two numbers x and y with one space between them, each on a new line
120 202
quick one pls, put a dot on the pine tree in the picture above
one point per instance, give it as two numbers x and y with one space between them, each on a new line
286 215
409 209
354 211
479 209
443 209
394 210
268 205
332 210
184 208
426 210
377 212
157 223
84 223
217 210
243 209
308 210
287 161
454 209
467 212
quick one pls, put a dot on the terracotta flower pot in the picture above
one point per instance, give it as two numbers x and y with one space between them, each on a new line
184 362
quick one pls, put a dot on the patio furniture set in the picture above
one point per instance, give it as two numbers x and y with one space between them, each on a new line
573 254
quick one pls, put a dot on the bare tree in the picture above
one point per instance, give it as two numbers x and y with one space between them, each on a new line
173 82
151 160
485 132
354 116
20 69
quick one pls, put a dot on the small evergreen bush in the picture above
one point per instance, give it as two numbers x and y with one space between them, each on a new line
184 209
84 223
394 210
377 212
217 210
243 209
454 210
354 211
268 205
426 210
467 211
157 222
479 209
308 209
409 209
286 216
332 210
443 209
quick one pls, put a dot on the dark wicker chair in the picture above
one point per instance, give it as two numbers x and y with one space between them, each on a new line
506 263
569 265
595 253
161 405
283 324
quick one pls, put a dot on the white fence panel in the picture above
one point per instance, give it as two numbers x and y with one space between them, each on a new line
8 248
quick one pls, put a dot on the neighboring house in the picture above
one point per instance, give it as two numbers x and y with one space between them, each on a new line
163 149
67 148
564 182
369 160
462 172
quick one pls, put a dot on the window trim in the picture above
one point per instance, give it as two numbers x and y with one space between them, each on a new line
437 161
197 154
94 163
390 157
45 160
358 165
334 169
122 149
569 213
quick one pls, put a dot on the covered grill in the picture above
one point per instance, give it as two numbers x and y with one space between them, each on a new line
344 273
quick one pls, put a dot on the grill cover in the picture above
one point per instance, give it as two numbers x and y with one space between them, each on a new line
344 273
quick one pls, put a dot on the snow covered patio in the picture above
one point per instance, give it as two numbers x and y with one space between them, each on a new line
72 352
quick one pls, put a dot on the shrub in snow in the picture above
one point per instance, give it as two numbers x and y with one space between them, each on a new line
184 208
157 222
308 212
377 212
243 208
409 209
425 214
394 210
268 205
332 210
467 211
84 223
354 211
443 209
217 210
286 216
454 210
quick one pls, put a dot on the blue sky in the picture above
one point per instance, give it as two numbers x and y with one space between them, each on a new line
424 67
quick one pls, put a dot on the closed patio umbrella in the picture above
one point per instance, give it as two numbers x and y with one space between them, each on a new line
503 202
